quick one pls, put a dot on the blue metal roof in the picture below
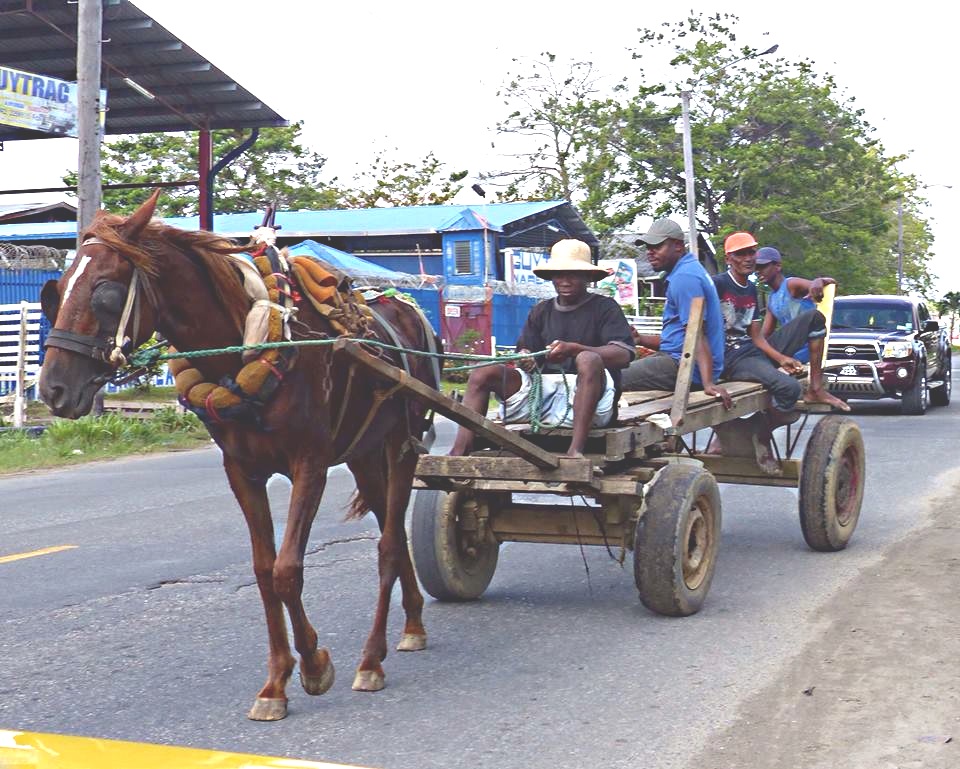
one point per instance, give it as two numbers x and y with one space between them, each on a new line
350 264
406 220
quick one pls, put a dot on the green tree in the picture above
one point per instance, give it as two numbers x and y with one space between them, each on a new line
551 106
389 182
778 150
949 306
278 168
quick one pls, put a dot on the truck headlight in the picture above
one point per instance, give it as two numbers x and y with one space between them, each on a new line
897 350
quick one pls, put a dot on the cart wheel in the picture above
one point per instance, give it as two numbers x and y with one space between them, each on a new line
677 537
831 483
453 562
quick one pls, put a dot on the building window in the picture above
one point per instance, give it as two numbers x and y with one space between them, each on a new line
461 258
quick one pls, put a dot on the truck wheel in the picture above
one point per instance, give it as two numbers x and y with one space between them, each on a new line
915 399
831 483
940 396
453 562
676 542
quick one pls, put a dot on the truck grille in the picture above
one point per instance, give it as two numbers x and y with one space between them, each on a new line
837 351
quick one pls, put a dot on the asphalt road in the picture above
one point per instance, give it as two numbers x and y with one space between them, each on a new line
151 627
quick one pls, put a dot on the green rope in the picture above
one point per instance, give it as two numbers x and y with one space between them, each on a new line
535 400
151 355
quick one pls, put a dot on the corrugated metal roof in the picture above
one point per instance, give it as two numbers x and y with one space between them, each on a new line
39 36
537 224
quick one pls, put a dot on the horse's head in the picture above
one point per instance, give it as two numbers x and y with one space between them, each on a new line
98 314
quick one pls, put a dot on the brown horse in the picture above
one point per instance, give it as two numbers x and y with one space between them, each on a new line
183 285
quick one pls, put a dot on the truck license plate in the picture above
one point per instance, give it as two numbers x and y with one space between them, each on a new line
848 371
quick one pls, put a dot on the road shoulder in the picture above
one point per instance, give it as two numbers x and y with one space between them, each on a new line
879 687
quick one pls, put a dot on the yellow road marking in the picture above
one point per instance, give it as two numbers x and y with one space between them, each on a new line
34 553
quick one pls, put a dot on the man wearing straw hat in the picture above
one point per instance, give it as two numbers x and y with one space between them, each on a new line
588 341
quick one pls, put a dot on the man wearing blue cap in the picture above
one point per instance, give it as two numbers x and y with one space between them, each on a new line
789 296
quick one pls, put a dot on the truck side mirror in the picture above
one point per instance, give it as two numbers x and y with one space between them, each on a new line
931 326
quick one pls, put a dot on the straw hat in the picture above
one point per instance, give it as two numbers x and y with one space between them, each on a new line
570 255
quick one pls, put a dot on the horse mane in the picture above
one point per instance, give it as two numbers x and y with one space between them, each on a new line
208 250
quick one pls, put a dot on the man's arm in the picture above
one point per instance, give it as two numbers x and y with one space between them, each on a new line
614 356
801 288
704 359
647 340
759 339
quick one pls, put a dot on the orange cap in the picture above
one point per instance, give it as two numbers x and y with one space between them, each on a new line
738 240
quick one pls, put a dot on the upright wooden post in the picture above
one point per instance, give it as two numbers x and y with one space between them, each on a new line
681 393
19 404
89 30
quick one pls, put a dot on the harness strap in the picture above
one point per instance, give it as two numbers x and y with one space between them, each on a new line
117 358
392 333
345 402
379 398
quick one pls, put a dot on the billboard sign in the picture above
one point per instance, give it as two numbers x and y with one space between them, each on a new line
519 264
621 283
40 103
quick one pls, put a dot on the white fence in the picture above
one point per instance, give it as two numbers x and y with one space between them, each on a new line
19 354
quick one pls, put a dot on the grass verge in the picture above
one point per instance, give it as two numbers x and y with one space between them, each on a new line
67 442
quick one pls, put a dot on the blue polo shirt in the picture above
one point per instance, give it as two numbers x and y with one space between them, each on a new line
687 280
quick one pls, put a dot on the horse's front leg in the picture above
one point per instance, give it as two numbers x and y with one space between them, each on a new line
393 562
309 481
271 702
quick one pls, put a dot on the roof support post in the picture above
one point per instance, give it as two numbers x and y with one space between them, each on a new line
211 175
205 159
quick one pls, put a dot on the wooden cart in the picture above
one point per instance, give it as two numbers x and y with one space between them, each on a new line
643 486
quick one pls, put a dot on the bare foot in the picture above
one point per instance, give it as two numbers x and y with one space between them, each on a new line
574 454
765 457
822 396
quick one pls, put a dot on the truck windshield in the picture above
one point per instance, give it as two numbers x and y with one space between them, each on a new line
878 316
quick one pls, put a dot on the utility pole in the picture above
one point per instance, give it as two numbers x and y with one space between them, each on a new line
688 172
900 244
89 31
688 147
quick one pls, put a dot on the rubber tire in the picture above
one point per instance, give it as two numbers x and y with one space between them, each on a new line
831 483
447 573
940 396
663 538
917 398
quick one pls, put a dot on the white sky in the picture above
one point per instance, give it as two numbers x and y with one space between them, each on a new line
422 75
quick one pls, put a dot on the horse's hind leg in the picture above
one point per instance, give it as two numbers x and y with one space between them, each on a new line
394 471
271 701
309 481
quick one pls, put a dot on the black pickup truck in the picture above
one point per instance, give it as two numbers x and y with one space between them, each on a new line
888 347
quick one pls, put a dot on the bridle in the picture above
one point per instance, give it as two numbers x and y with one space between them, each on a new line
105 348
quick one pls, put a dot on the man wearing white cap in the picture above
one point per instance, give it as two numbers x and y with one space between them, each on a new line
589 342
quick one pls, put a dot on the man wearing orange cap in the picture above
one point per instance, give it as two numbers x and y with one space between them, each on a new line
751 356
589 341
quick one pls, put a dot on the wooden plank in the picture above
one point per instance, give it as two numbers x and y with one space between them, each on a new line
714 413
681 392
450 408
745 470
825 306
642 396
621 485
564 524
578 470
696 400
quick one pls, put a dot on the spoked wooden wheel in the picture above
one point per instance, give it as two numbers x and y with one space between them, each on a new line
454 553
677 539
831 483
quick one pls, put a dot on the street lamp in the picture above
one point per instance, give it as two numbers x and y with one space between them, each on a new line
900 233
688 147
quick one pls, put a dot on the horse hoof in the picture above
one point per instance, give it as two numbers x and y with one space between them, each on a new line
318 684
412 642
268 709
368 681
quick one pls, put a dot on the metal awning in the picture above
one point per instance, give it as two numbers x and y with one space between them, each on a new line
190 94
